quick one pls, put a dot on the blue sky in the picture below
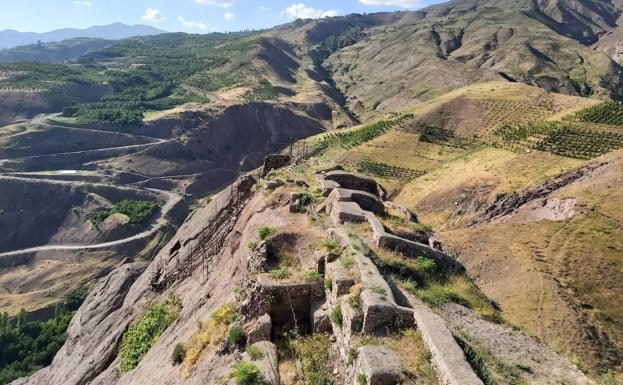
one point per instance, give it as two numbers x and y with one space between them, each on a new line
198 16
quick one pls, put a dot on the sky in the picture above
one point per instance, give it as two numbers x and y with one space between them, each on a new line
194 16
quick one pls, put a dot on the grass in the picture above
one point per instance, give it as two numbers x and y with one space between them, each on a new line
177 356
254 353
208 335
280 274
354 297
314 353
245 373
235 335
140 336
310 276
336 315
362 379
331 246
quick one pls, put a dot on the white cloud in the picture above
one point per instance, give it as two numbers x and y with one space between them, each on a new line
301 11
228 16
217 3
392 3
85 3
192 23
153 14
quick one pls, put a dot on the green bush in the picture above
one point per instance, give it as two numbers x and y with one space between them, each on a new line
280 274
362 379
331 245
178 354
245 373
314 353
310 276
328 284
140 336
235 335
254 353
264 232
336 315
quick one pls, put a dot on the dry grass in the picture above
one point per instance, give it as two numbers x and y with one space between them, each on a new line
208 337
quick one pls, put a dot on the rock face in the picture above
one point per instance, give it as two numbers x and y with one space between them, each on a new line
94 332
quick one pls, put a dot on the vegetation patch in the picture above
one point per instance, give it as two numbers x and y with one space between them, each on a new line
177 356
605 113
137 211
246 373
254 352
209 335
356 137
264 232
336 315
28 346
280 274
560 138
145 332
383 170
314 352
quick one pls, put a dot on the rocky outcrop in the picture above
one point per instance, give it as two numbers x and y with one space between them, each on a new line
94 333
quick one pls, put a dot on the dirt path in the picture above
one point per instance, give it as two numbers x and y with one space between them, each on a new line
172 200
43 121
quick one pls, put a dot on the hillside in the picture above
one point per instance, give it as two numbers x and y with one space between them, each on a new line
54 51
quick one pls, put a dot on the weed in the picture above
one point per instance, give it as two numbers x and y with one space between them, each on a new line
264 232
177 357
352 356
314 353
354 298
362 379
310 276
226 314
347 262
337 316
245 373
251 245
254 352
328 284
235 335
280 274
332 246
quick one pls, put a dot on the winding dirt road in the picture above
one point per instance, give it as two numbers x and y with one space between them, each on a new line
172 200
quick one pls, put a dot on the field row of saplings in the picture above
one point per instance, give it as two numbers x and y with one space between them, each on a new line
558 138
353 138
441 136
497 112
605 113
387 171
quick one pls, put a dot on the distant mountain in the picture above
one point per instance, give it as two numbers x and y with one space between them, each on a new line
54 51
10 38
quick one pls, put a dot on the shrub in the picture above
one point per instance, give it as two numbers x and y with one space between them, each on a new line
314 353
336 315
362 379
245 373
235 335
426 265
140 337
254 352
347 262
354 298
331 245
328 284
265 232
226 314
280 274
310 276
177 357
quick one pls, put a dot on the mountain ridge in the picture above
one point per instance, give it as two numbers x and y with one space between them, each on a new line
10 38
